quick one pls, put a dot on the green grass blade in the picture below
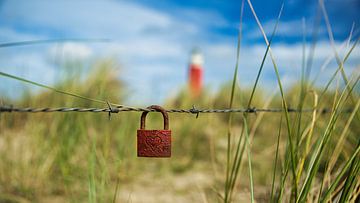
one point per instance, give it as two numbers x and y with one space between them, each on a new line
275 162
315 34
264 57
239 153
228 155
337 57
350 180
240 149
249 159
338 69
57 90
48 87
47 41
293 162
303 88
338 178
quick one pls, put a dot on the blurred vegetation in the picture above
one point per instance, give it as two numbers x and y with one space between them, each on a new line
84 157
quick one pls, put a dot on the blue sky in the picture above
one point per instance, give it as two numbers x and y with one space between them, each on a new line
152 40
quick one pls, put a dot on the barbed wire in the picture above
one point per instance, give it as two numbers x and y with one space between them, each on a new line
116 108
192 110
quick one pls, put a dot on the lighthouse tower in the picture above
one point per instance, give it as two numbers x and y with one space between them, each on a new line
196 73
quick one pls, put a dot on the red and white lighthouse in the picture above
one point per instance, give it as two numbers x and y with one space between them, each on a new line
196 73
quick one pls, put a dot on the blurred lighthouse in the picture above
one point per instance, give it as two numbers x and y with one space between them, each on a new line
196 72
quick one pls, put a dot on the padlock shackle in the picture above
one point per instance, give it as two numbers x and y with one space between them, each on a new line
159 109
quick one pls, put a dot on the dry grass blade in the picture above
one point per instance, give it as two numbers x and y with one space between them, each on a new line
323 140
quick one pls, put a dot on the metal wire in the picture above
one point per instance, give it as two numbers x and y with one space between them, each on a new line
193 110
119 108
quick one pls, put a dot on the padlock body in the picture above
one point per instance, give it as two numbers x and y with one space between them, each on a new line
154 143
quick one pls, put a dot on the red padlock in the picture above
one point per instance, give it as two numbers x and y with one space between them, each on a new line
154 143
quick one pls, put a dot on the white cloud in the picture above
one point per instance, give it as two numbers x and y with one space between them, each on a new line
85 17
70 51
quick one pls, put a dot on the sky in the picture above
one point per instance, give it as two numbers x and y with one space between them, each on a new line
152 41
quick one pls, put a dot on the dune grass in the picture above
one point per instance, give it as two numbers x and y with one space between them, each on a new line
294 151
85 157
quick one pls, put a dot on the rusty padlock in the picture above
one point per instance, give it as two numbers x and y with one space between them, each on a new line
154 143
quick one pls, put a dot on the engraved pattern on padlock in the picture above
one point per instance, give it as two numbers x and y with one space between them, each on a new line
154 143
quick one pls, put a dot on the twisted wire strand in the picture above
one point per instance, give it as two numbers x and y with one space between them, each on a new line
193 110
118 107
